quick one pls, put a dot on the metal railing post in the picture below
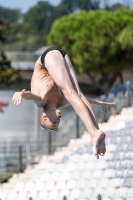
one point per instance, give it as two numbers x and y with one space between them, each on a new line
64 198
77 127
128 93
99 197
20 149
50 142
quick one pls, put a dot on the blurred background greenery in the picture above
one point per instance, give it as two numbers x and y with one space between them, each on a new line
98 41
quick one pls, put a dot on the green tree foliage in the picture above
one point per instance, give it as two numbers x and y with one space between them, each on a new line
37 22
30 29
9 16
38 19
116 6
70 6
7 73
12 17
98 42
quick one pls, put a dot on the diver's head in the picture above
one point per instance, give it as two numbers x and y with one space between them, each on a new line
50 119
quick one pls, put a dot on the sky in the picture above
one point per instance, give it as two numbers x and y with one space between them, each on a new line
24 5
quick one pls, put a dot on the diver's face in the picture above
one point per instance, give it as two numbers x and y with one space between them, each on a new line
52 119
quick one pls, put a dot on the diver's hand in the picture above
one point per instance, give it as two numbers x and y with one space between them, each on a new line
17 97
104 107
107 104
3 104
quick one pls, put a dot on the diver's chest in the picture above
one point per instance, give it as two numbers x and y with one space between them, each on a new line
55 95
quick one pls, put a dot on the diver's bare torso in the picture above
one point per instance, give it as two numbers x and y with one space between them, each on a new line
43 85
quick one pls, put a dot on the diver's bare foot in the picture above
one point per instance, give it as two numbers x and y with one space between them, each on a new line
99 135
102 147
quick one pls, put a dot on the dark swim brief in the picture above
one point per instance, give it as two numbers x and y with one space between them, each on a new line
51 49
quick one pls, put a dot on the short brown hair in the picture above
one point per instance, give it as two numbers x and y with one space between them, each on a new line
44 126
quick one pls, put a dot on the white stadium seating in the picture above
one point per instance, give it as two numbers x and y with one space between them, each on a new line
79 175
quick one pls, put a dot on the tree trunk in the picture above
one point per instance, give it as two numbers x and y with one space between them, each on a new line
117 71
102 73
121 77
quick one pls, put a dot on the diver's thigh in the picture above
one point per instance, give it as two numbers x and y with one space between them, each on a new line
72 74
56 66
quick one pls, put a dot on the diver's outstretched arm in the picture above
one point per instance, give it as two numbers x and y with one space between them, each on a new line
27 95
101 103
91 101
